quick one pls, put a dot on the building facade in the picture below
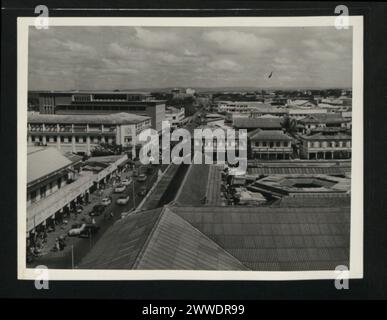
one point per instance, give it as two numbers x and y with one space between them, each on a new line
55 187
325 146
270 145
81 134
175 116
68 102
324 120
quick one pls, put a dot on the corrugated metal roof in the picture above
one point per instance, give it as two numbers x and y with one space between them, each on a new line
44 161
121 244
276 238
251 123
176 244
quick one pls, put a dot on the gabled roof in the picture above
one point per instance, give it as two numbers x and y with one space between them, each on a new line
226 238
324 118
158 239
253 123
269 135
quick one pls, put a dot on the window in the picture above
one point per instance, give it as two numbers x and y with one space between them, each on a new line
278 144
264 144
43 192
33 196
271 144
59 181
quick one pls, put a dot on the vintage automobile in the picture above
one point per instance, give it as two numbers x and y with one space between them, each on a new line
142 177
123 200
120 188
106 201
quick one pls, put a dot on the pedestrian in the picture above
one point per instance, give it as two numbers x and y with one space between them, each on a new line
111 214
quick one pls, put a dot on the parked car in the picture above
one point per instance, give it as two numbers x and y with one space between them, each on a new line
120 188
123 199
127 213
106 201
126 182
142 177
90 229
143 191
76 230
97 210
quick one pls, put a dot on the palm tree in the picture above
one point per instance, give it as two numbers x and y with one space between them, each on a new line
290 125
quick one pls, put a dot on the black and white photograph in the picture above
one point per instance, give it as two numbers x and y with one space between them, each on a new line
190 148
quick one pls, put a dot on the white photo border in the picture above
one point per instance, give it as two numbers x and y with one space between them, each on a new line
356 222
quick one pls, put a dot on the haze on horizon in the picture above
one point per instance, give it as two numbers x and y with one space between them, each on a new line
103 58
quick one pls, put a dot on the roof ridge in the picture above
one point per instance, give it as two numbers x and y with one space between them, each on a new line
209 239
149 237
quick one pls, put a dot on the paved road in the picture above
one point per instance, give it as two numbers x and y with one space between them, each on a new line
81 246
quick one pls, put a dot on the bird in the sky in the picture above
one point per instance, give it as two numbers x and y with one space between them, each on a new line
271 73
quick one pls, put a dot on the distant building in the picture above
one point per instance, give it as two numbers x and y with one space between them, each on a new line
82 133
175 116
325 146
324 120
257 123
298 113
102 102
190 91
270 145
301 103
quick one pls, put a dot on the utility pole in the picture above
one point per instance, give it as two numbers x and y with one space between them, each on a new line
72 256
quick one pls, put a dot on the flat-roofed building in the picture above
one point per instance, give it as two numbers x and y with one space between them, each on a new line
102 102
82 133
175 116
325 146
270 145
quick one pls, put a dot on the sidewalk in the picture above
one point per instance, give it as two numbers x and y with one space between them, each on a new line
83 217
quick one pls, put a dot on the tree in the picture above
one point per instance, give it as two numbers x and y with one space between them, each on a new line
289 124
106 149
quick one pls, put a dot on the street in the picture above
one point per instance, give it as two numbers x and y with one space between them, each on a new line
77 247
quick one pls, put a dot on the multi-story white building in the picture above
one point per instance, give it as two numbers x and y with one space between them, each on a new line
175 116
270 145
82 133
325 146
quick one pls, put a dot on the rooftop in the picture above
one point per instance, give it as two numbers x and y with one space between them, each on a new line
253 123
43 161
114 118
324 118
274 135
326 137
226 238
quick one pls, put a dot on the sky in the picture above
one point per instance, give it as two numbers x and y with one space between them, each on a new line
106 58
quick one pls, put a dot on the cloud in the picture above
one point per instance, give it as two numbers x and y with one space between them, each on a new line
224 65
155 39
237 42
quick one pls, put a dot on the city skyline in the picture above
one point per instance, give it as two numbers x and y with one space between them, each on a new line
108 58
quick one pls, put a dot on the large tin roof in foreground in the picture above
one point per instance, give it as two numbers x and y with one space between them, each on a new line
226 238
